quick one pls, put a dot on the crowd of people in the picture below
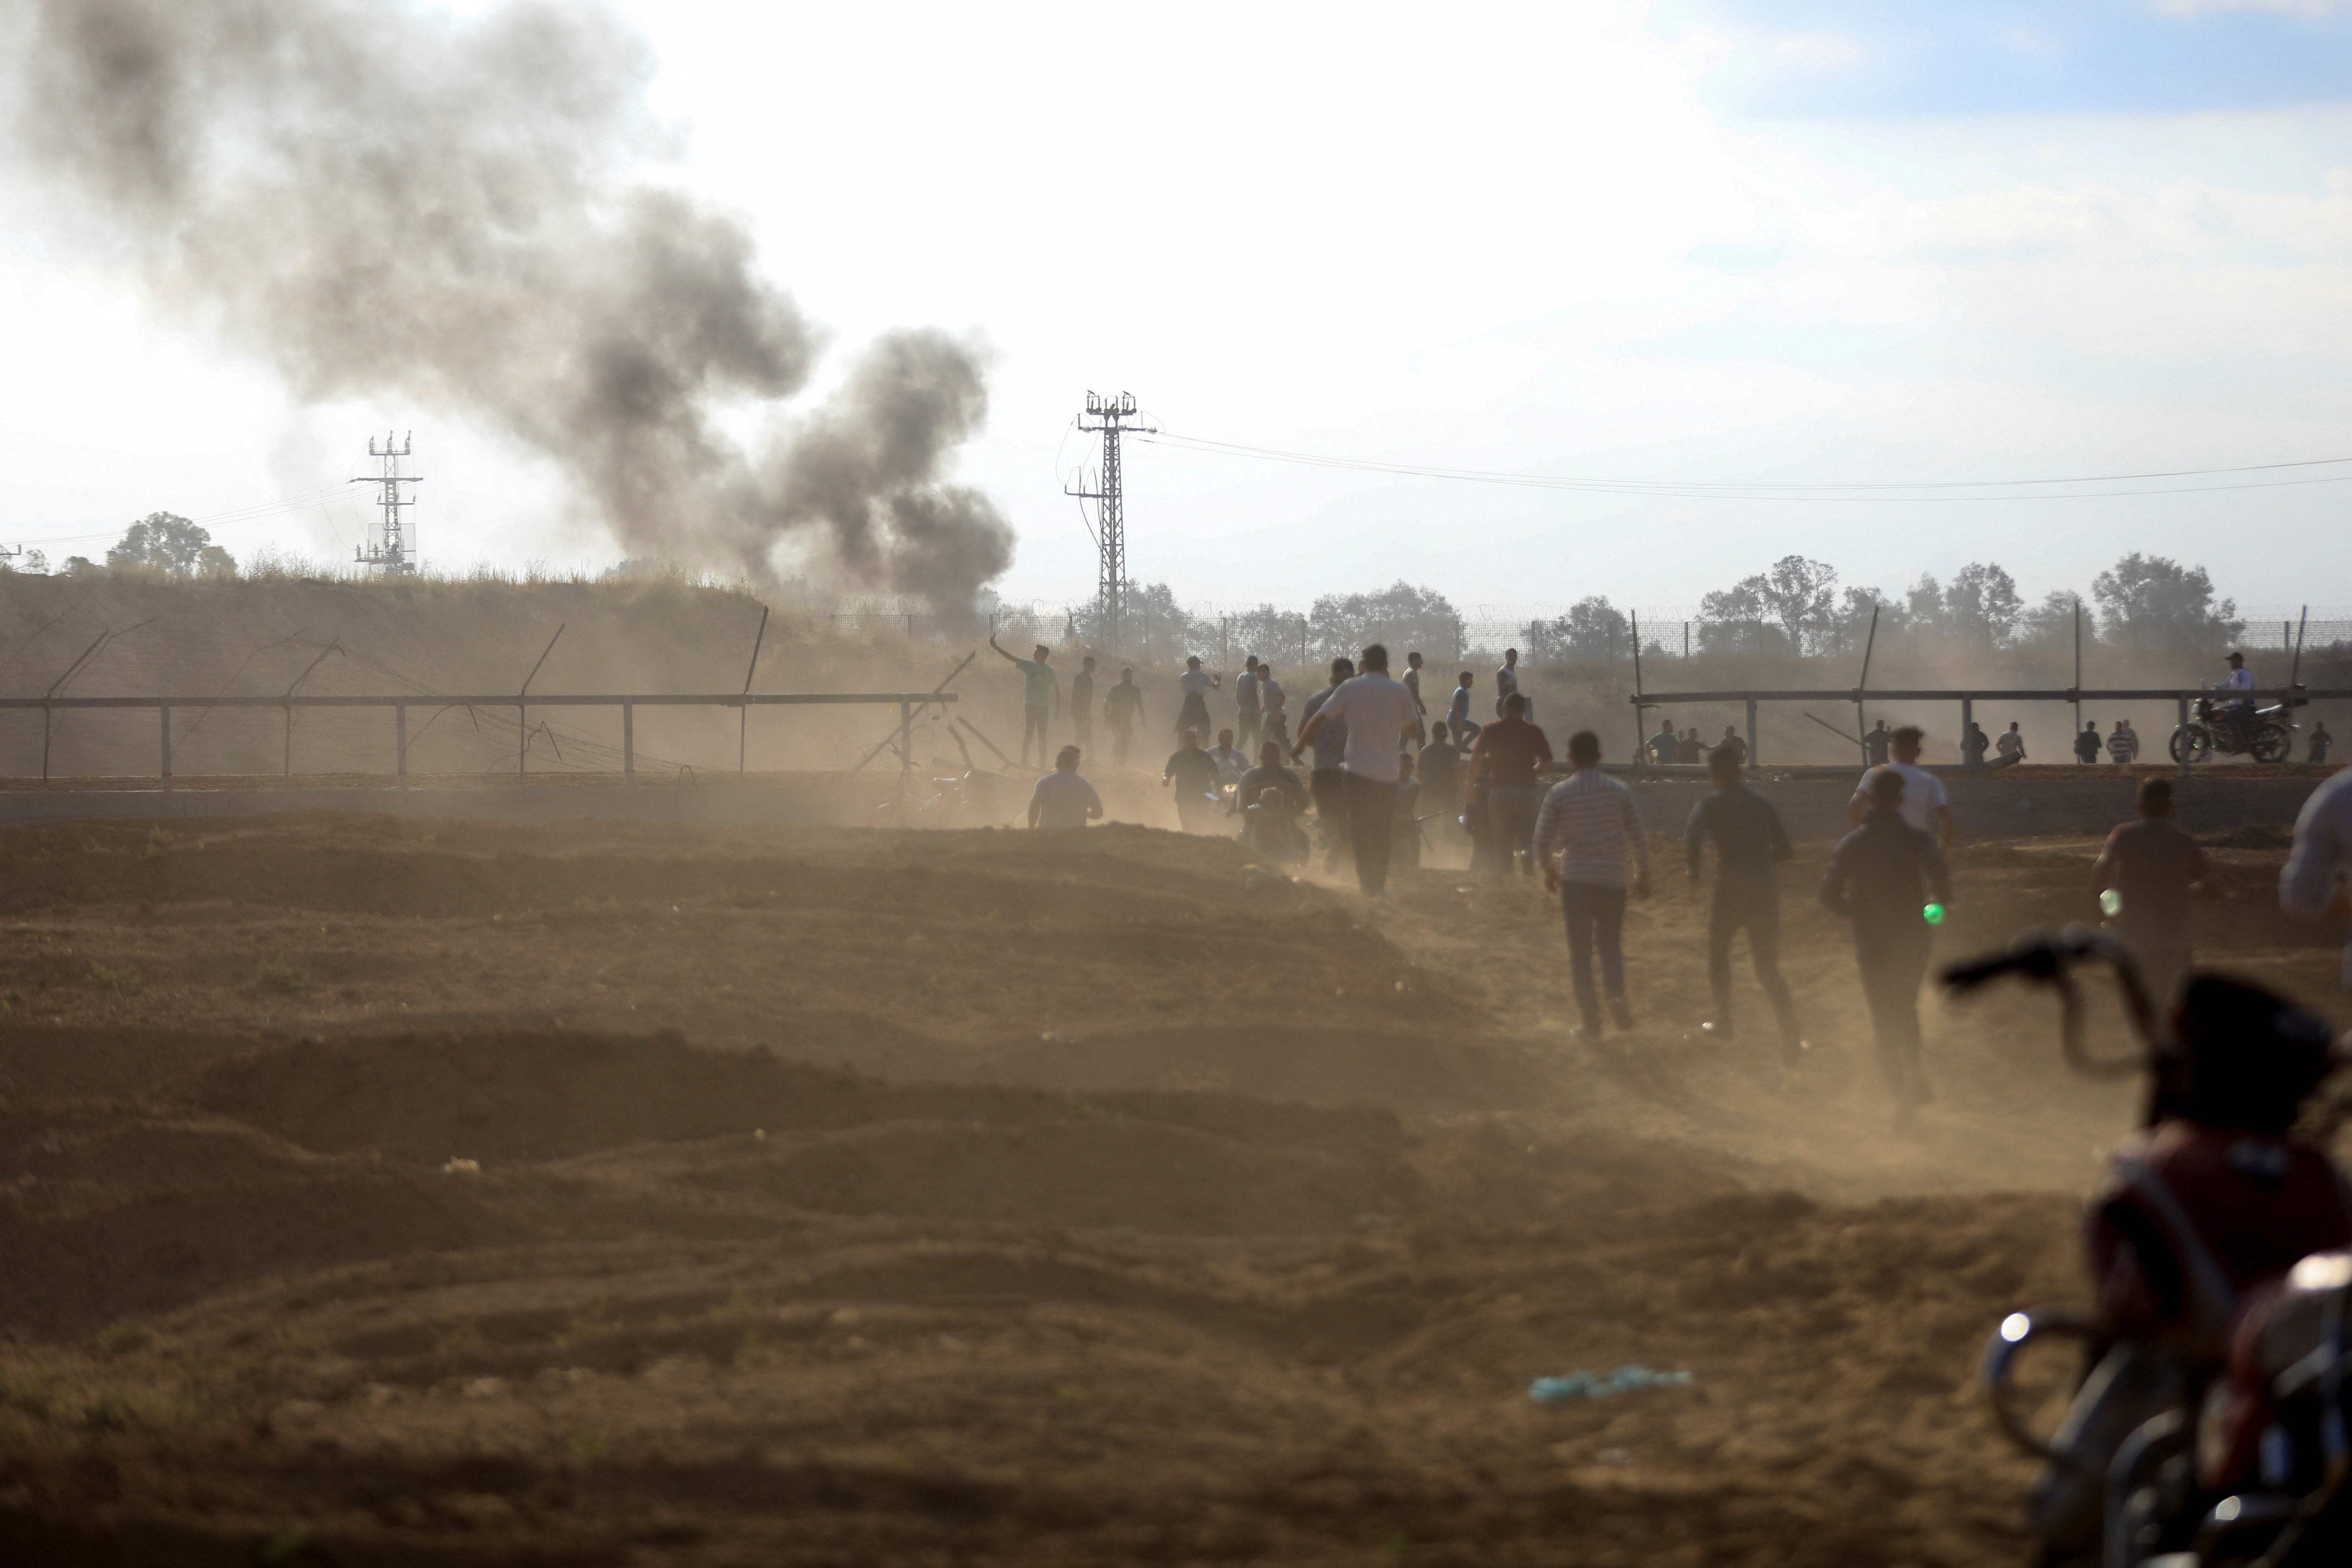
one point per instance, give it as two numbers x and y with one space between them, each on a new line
1380 770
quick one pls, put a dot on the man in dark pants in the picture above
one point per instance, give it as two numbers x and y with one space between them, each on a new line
1377 713
1883 876
2087 745
1325 779
1589 819
1509 754
1082 704
1193 773
1748 840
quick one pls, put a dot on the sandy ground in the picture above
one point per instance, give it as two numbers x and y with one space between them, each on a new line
981 1196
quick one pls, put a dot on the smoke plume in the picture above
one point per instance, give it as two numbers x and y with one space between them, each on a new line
378 200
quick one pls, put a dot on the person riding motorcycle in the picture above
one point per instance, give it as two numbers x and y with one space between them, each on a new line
2241 709
2201 1216
1269 800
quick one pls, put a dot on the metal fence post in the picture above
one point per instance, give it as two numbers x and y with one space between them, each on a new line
400 744
1968 727
165 710
1754 760
906 751
629 743
2181 707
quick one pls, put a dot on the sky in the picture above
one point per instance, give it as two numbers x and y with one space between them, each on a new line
1804 243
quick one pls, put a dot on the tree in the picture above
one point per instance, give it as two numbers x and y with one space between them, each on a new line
1923 603
171 545
2053 620
1983 606
1799 594
1593 630
1731 620
33 561
1850 621
1401 616
2151 602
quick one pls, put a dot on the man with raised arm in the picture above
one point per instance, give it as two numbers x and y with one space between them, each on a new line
1041 695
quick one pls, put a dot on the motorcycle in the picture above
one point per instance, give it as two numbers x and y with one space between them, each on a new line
2268 736
1270 828
2183 1467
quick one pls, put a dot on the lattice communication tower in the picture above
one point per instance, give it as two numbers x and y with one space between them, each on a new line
394 550
1111 417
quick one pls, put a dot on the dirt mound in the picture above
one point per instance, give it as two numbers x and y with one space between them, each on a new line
1155 1178
515 1096
108 1211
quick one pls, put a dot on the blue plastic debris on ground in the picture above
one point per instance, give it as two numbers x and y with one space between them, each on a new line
1584 1386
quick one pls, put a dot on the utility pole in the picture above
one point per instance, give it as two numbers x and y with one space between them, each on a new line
394 549
1110 417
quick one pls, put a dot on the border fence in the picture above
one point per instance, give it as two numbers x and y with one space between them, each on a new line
1550 634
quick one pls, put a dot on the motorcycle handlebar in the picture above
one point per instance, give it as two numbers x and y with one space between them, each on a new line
2049 958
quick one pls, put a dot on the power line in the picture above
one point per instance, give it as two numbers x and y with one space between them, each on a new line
1936 489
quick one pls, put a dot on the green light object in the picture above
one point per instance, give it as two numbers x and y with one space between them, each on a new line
1933 914
2111 903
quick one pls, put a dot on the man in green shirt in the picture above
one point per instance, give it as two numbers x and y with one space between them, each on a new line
1041 697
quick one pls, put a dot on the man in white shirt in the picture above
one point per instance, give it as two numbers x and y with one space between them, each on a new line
2011 747
2313 881
1379 713
1231 764
1063 799
1925 804
2240 679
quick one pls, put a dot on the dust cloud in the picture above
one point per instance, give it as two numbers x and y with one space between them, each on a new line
385 200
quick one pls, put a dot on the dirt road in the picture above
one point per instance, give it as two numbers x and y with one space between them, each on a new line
380 1192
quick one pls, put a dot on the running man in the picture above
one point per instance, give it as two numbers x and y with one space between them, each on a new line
1082 703
1062 799
2320 741
1506 680
1276 704
2154 868
1326 779
1195 774
1041 695
1749 842
1195 684
1924 806
1376 714
1412 684
1122 709
1509 754
1883 876
1457 714
1252 714
1588 819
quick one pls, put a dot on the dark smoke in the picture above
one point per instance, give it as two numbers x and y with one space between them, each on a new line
380 200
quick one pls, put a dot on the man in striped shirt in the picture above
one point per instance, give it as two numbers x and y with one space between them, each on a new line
1588 819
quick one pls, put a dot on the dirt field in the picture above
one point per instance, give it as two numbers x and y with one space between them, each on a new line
976 1196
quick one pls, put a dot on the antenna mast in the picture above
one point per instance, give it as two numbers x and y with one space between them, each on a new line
394 550
1110 417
